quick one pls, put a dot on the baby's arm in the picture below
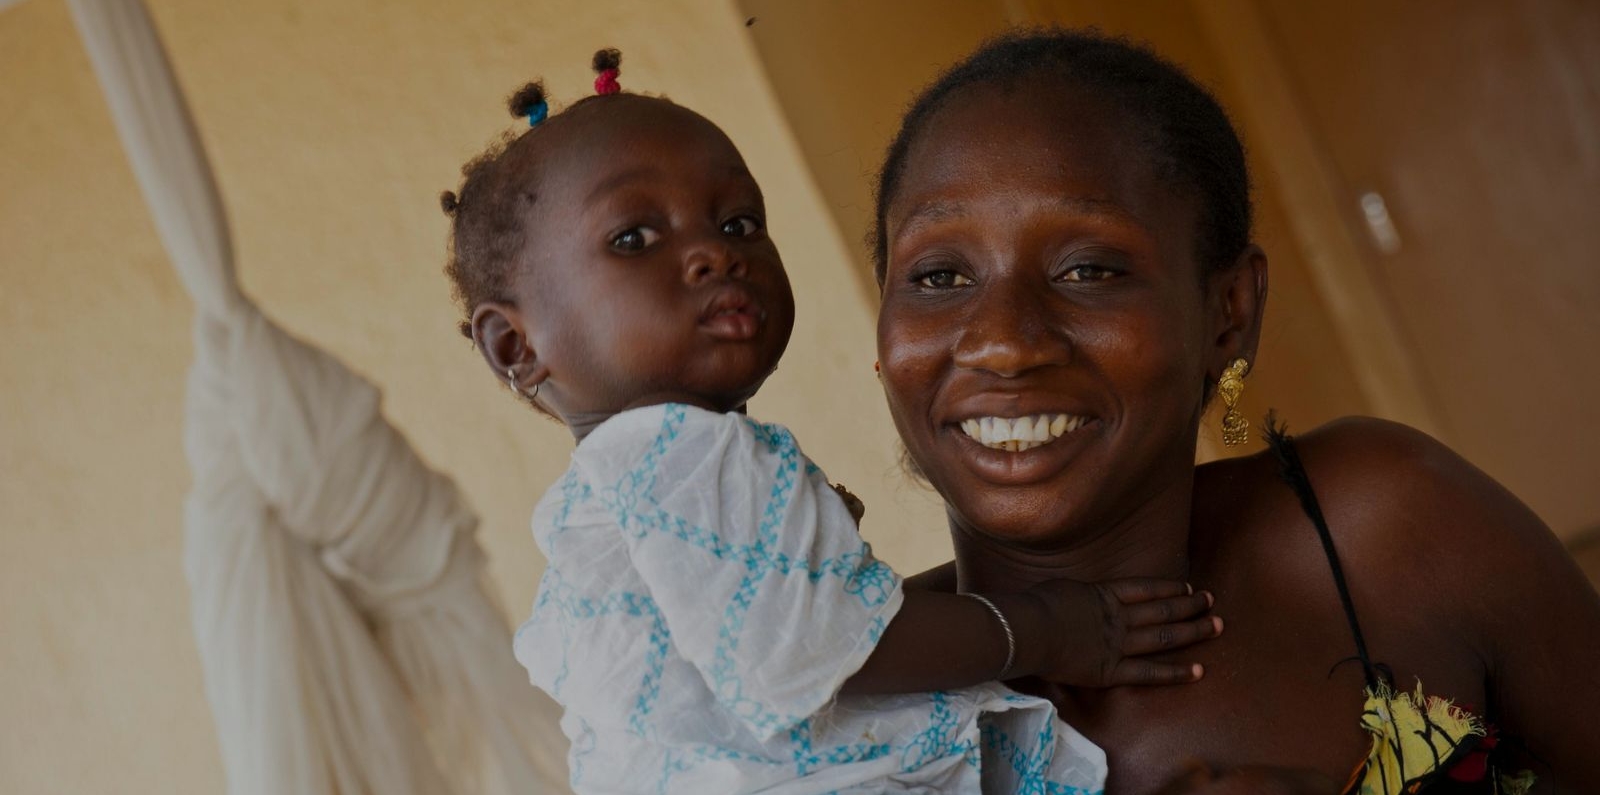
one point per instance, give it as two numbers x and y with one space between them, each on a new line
941 578
1063 631
753 566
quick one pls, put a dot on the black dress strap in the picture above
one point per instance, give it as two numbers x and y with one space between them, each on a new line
1294 474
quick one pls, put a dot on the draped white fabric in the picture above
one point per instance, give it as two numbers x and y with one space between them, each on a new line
346 632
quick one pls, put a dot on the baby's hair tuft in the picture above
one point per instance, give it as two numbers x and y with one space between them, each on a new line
526 99
607 65
448 202
608 58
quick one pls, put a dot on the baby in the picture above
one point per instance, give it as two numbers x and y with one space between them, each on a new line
710 618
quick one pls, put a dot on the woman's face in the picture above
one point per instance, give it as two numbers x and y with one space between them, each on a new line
1044 337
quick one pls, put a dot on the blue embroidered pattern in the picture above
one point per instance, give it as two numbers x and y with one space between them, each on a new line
631 500
568 611
807 759
573 607
939 740
1029 764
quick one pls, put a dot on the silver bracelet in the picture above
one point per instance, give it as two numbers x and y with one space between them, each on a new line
1011 639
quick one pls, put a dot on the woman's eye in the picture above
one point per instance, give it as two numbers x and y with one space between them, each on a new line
1086 273
635 239
743 226
941 279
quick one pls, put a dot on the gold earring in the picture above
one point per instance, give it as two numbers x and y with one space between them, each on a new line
1235 428
876 370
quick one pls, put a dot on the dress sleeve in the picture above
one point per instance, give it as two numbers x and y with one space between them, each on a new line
753 560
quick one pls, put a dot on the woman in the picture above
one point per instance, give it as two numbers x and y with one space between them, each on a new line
1064 227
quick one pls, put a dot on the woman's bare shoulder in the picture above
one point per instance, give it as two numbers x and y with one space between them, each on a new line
1446 566
1352 459
1397 477
1440 532
1422 523
1399 504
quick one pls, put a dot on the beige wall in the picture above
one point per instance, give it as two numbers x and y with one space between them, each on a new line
332 126
844 72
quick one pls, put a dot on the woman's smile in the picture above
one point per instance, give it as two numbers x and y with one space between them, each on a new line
1010 437
1020 434
1016 451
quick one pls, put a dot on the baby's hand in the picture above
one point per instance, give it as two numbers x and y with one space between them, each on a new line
853 503
1101 630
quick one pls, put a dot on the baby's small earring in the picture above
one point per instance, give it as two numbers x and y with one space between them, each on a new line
877 370
511 381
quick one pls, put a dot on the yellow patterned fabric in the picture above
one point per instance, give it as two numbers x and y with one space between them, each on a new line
1419 741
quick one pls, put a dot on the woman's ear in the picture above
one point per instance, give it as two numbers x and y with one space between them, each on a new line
1238 298
499 334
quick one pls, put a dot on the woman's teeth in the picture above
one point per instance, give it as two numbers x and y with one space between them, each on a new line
1020 433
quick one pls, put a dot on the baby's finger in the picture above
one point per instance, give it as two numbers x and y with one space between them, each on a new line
1143 589
1166 611
1149 672
1149 640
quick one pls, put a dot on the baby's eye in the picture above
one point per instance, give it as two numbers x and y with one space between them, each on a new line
944 278
1086 273
635 239
743 226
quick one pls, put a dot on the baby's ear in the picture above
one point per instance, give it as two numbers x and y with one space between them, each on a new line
499 335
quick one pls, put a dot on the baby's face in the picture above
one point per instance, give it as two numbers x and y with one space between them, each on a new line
650 276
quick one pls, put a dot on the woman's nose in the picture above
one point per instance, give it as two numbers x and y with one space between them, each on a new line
1010 332
711 258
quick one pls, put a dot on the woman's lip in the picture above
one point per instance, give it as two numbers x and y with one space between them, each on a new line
1009 405
1015 468
1011 413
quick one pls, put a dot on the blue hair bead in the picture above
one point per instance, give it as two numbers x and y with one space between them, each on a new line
537 113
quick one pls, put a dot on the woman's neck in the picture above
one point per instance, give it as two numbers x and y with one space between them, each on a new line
1150 541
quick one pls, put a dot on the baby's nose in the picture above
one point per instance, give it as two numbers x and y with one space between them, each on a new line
712 259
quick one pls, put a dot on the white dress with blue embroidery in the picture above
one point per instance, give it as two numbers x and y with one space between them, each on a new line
708 593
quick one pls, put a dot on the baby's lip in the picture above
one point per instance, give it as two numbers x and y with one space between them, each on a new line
732 313
731 299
